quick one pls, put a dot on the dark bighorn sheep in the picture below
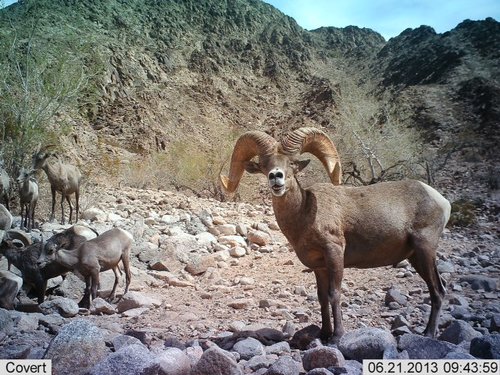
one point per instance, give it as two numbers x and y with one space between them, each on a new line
24 255
28 197
94 256
64 178
331 227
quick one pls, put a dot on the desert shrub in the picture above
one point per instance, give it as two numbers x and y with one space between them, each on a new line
45 71
185 165
463 213
373 143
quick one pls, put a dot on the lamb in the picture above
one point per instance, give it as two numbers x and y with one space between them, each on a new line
97 255
64 178
4 185
25 255
331 226
10 285
28 197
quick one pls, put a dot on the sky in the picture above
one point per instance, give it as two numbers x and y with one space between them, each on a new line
388 17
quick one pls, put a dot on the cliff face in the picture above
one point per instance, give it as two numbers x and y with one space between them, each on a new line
163 72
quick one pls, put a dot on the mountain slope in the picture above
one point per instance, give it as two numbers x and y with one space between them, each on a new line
197 73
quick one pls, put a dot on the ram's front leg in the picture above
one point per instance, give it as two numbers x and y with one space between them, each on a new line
334 259
322 283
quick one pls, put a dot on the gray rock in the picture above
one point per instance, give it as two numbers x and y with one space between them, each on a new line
129 360
477 282
77 348
394 295
249 348
278 348
459 355
486 347
121 341
459 331
100 306
366 343
285 365
133 300
6 322
445 266
260 362
420 347
259 237
216 361
353 367
199 264
63 306
319 371
174 361
322 356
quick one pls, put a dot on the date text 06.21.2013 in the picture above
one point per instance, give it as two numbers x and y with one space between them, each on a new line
431 367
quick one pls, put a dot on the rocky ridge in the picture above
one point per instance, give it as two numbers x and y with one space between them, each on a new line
216 288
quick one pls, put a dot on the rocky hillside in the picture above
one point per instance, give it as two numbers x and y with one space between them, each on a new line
166 76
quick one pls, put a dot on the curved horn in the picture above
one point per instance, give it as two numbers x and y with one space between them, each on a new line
18 235
249 144
318 143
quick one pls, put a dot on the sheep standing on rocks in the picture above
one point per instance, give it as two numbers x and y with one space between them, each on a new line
332 227
64 178
28 198
94 256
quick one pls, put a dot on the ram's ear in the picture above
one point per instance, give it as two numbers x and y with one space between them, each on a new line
252 167
298 165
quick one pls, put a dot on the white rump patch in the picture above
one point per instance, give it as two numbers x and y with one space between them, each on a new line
442 201
129 235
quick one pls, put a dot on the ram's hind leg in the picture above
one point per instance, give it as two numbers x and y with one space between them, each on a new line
424 262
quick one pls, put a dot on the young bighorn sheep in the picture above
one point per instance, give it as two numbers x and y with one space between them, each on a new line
28 198
97 255
332 227
4 185
64 178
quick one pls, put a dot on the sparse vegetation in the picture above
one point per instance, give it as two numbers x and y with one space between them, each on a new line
374 145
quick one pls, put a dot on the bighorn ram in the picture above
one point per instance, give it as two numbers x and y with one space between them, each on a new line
332 227
4 185
64 178
28 198
97 255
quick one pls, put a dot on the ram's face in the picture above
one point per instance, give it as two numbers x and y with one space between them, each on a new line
279 170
